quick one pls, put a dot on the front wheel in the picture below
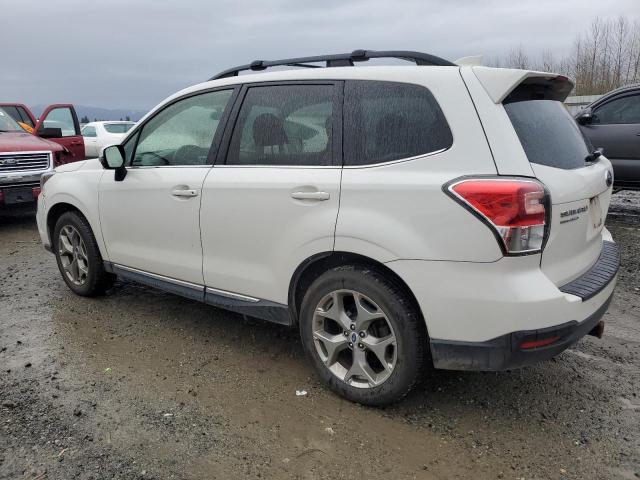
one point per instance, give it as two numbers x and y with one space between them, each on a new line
78 256
364 334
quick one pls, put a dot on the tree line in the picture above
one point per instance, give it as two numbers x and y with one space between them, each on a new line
604 57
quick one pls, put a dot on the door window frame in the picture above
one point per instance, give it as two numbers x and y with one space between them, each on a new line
336 127
633 93
133 134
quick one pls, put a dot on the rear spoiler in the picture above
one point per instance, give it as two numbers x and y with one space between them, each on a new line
506 84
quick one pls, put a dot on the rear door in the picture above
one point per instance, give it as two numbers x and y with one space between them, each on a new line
59 123
271 200
615 126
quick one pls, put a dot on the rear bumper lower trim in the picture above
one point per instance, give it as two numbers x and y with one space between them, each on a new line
504 352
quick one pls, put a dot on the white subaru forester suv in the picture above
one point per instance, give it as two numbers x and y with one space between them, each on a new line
400 216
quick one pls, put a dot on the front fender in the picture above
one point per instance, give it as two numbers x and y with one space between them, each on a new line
78 190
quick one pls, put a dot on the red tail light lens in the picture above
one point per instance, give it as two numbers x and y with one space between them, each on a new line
36 192
515 210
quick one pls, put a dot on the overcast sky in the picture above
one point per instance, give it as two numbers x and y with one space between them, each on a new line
134 53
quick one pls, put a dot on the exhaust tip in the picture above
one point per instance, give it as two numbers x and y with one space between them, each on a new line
598 330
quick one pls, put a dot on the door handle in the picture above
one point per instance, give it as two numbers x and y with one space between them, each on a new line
319 196
179 192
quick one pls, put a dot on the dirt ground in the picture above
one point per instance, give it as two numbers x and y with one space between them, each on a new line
143 384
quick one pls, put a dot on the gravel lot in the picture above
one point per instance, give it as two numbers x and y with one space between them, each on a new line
143 384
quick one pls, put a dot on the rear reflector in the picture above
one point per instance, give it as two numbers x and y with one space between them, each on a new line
514 209
538 343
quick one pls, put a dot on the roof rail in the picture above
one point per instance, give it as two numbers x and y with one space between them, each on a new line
338 60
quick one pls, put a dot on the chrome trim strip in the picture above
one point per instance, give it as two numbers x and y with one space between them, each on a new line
182 283
234 296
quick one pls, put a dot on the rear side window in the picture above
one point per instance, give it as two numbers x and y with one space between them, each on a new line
284 125
118 127
548 134
386 121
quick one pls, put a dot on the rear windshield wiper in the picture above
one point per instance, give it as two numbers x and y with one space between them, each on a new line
594 156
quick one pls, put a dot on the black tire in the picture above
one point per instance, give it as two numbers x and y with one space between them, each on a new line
98 280
401 312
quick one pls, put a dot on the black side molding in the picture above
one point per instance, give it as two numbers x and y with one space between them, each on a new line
598 276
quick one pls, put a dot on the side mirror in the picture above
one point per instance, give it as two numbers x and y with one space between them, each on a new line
585 117
112 158
49 132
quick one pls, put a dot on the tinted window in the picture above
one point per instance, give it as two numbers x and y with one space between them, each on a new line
182 133
61 118
284 125
621 110
89 132
387 121
118 127
548 134
25 116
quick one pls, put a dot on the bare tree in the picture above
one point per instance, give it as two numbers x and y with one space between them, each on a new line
604 57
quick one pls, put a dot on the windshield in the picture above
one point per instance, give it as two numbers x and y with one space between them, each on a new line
118 127
548 134
8 124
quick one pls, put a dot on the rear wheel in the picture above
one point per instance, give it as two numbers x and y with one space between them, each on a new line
78 256
364 335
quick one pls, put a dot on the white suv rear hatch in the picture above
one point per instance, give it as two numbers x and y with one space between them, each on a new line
557 155
580 192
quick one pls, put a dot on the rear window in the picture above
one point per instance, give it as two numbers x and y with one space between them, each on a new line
118 127
548 134
385 121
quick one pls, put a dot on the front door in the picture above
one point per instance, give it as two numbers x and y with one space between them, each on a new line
272 198
62 120
150 220
615 126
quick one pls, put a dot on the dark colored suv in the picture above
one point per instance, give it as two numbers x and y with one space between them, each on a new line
613 123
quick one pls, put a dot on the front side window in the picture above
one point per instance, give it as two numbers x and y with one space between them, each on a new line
386 121
89 132
623 110
182 133
284 125
25 118
61 118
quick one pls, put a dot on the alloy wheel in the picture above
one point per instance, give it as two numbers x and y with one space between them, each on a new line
73 255
354 338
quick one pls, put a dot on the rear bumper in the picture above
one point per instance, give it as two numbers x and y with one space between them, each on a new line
505 352
478 314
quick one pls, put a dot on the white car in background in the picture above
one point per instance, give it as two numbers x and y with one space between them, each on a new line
98 135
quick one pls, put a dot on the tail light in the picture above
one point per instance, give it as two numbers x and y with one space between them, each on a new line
515 209
36 192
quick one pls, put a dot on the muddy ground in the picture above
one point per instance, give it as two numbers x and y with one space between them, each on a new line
143 384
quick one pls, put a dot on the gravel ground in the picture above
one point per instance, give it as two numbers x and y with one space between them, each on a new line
143 384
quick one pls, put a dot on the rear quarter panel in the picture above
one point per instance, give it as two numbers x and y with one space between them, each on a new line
399 211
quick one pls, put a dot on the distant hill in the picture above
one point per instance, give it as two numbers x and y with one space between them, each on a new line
97 113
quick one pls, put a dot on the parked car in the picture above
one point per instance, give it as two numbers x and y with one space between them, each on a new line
24 157
613 124
98 135
398 216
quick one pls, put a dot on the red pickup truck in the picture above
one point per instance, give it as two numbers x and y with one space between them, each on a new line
24 156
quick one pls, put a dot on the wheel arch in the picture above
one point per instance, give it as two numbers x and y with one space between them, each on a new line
60 208
316 265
